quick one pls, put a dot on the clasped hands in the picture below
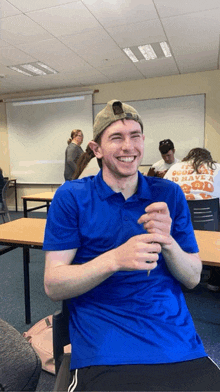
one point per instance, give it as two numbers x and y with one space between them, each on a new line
140 249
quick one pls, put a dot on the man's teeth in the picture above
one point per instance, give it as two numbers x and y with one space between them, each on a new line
126 159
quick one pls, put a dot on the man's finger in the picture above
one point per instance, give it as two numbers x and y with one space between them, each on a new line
158 207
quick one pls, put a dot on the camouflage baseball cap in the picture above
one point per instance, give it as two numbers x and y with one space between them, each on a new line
114 110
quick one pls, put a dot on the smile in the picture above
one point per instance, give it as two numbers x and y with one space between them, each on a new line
126 159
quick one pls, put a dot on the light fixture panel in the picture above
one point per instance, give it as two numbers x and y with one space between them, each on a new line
33 69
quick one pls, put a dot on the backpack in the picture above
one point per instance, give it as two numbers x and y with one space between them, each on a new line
40 336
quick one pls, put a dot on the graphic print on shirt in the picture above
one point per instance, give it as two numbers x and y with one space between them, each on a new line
195 185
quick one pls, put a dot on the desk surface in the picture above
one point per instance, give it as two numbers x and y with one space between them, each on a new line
44 196
209 246
23 231
30 231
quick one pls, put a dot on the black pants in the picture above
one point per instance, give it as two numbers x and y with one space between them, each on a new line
197 375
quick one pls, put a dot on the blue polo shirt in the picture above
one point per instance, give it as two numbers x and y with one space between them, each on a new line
130 318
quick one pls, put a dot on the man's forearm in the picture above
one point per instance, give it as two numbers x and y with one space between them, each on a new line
185 267
68 281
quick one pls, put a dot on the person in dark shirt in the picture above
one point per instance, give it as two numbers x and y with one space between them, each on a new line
72 153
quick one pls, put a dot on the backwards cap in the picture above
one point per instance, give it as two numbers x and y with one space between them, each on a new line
114 110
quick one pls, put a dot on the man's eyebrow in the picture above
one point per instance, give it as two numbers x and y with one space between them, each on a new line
121 133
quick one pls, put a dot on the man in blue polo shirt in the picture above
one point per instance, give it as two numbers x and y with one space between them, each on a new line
118 246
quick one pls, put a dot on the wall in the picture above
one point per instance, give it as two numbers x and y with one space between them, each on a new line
197 83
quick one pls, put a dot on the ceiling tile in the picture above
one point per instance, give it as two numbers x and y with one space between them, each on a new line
159 67
93 77
67 19
87 40
184 32
137 33
54 54
127 72
14 56
30 5
8 10
3 43
103 48
121 12
174 7
195 62
20 29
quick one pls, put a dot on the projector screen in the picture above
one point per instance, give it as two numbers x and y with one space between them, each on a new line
181 119
38 131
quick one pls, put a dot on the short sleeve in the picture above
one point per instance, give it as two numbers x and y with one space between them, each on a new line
61 232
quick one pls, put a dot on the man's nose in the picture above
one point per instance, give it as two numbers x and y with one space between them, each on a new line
127 143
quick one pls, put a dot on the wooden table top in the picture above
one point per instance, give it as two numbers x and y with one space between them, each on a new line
30 231
44 196
209 246
24 231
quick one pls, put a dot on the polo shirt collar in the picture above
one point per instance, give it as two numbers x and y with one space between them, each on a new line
104 191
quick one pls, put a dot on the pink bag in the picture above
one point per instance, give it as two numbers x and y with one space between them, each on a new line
40 336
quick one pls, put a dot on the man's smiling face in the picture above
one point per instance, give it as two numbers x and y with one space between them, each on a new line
121 148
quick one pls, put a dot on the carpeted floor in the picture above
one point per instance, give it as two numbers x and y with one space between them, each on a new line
203 304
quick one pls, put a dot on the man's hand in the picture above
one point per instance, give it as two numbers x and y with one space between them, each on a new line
157 220
138 250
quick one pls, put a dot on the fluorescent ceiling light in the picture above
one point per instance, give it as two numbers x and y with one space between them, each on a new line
42 65
152 51
165 48
130 54
33 69
19 70
147 52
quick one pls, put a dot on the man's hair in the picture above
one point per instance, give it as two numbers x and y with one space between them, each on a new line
199 156
165 146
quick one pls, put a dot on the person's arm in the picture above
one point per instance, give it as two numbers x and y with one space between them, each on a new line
161 174
151 172
63 280
185 267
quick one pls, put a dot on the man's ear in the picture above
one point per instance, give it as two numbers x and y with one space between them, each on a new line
95 147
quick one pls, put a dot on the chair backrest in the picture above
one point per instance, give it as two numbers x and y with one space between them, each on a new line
4 211
204 214
60 334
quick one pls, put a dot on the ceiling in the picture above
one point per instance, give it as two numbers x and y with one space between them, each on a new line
83 40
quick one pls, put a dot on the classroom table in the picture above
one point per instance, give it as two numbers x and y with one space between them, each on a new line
209 247
26 233
41 197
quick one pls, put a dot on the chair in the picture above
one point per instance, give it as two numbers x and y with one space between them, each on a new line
4 211
204 214
61 339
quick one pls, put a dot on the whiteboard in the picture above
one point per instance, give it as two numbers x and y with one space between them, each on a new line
38 131
181 119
